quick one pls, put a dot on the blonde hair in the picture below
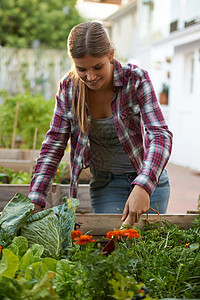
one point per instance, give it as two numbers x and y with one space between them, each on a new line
85 38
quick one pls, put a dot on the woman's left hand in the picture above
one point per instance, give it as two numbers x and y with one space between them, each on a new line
138 202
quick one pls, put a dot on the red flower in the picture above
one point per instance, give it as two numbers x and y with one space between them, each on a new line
0 249
75 233
84 239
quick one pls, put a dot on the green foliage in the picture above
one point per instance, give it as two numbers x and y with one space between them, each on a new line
62 174
14 215
34 112
20 177
49 228
24 21
163 263
8 264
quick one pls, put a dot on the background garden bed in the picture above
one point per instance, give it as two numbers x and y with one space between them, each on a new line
55 194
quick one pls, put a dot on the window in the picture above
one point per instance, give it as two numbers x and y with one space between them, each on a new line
189 75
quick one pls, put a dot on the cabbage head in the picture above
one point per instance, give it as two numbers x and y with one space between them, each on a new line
50 228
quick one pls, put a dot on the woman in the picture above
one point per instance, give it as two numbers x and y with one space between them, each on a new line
111 114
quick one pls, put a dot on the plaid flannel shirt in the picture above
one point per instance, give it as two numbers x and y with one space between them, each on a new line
139 124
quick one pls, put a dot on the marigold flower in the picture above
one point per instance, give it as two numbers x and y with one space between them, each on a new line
57 172
75 233
187 245
130 233
114 233
83 239
0 249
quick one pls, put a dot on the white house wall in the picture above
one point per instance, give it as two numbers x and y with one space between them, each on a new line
123 40
185 108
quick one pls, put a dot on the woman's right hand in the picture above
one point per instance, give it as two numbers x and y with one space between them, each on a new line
37 208
137 203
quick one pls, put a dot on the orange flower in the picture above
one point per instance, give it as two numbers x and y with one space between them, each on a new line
0 249
84 239
57 172
114 233
130 233
187 245
75 233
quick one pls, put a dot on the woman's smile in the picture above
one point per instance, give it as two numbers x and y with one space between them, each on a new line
96 72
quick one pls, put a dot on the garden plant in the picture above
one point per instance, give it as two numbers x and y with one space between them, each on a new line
9 176
43 257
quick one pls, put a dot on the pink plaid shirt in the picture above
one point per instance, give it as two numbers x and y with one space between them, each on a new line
139 124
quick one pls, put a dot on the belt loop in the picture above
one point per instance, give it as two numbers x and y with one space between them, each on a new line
109 176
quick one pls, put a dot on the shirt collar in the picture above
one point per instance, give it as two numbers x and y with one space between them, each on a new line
118 74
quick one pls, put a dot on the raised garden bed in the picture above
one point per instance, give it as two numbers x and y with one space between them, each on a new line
100 224
24 160
158 261
55 195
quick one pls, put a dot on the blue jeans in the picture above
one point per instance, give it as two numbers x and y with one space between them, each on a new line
109 192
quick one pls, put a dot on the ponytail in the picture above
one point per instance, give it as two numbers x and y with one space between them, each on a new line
79 110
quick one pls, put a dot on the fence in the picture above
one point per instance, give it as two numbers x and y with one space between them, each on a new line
37 70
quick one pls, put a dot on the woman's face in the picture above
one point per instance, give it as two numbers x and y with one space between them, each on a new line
96 72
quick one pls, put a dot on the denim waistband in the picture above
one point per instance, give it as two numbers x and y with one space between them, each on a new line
104 174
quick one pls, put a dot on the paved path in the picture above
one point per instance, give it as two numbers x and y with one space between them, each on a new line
185 189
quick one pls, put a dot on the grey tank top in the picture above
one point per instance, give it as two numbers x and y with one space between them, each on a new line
107 154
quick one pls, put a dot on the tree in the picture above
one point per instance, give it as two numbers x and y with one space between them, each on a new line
24 23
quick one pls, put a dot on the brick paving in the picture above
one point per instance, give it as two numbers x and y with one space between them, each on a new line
185 189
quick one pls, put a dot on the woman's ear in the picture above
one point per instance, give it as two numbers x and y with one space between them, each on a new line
111 55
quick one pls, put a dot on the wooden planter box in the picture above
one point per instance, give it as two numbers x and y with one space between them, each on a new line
99 224
21 159
55 195
25 160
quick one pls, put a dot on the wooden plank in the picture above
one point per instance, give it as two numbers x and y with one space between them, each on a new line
15 125
54 197
100 224
83 196
7 192
16 165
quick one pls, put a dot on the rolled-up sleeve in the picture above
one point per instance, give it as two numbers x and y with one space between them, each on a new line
157 137
52 150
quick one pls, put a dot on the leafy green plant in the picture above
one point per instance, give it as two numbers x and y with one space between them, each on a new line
50 228
34 112
156 262
20 177
62 174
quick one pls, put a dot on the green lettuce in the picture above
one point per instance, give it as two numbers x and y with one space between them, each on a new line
19 246
8 264
13 216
